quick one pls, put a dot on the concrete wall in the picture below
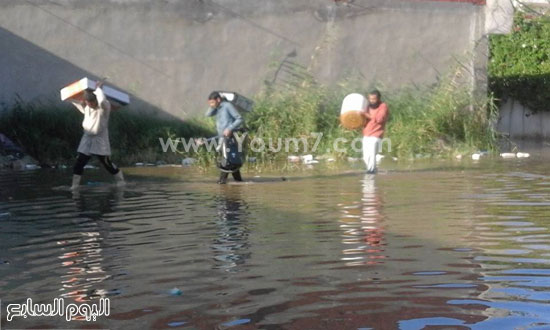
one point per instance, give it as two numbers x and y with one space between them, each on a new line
518 122
170 54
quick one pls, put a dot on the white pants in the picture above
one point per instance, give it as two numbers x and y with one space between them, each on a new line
370 148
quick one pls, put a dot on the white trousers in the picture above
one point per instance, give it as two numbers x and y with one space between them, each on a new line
370 148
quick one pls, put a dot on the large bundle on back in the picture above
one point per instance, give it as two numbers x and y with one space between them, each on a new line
240 102
350 114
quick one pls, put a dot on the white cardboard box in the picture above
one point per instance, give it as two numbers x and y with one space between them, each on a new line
76 89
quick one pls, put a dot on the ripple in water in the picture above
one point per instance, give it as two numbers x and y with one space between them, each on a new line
408 250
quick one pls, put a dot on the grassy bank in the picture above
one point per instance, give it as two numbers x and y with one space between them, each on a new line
437 121
51 133
432 122
441 121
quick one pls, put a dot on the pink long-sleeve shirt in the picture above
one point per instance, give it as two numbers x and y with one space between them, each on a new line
377 124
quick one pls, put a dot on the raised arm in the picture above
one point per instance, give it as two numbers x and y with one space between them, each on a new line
211 112
101 98
78 105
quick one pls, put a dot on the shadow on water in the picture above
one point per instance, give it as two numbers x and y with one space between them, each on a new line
405 249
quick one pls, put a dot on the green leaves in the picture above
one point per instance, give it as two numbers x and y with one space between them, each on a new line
519 64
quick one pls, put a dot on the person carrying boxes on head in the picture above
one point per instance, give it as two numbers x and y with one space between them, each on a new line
95 140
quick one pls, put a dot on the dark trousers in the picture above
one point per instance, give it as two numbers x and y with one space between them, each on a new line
236 176
83 159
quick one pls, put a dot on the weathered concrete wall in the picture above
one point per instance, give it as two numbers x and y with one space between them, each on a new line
519 122
170 54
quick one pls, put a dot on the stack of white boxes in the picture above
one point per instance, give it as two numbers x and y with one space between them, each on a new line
75 90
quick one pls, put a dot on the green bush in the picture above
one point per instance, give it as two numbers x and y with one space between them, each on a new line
520 62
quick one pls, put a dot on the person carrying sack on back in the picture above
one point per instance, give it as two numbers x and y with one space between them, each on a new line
228 120
377 114
95 140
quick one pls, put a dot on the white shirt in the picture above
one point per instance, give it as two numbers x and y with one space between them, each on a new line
95 140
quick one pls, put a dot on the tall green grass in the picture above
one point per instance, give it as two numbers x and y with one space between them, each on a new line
437 121
51 133
442 120
298 114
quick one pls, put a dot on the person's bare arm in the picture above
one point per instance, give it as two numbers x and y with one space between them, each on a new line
101 98
78 105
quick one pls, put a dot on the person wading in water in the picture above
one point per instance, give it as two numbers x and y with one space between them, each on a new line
377 114
95 140
228 120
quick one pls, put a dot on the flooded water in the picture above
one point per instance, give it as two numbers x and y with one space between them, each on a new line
443 246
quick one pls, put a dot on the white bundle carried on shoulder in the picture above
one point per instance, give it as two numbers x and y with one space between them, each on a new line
351 116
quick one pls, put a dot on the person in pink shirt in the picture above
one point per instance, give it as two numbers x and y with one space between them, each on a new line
377 114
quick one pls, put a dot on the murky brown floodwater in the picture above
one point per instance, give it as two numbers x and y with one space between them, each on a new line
445 246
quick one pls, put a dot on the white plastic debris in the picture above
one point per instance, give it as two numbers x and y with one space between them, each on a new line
523 155
307 158
508 155
176 292
330 160
31 167
459 157
476 156
353 159
293 159
188 161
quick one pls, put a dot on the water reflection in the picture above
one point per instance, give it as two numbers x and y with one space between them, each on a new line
512 233
363 227
440 249
231 244
82 256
